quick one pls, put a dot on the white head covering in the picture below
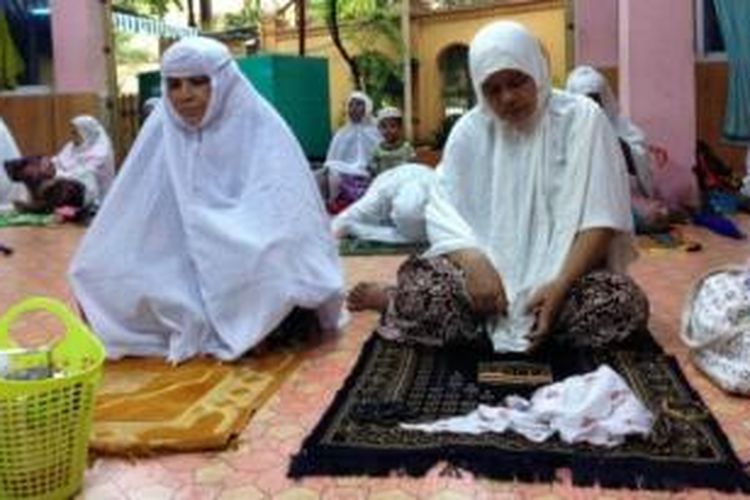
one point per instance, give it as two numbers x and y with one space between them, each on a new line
389 112
218 230
9 190
91 162
522 195
354 143
585 80
510 46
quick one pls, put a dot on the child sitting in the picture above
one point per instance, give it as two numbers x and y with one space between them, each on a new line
394 150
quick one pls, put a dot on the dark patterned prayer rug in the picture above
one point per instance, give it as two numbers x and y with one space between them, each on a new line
354 247
393 383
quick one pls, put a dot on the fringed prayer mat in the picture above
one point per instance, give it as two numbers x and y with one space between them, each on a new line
393 383
146 405
352 247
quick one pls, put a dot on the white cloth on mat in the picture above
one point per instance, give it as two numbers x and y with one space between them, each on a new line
9 191
392 209
597 408
93 156
585 80
521 195
210 235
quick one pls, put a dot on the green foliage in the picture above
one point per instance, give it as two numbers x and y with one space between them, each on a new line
383 78
149 7
365 23
125 53
248 16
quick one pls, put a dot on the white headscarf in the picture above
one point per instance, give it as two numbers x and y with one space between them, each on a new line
389 112
354 143
92 159
212 234
521 196
9 190
585 80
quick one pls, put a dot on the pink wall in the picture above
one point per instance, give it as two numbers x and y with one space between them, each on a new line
657 73
78 41
596 32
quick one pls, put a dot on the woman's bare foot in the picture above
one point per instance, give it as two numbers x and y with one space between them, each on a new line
368 296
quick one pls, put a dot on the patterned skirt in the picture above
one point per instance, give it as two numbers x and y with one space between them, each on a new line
430 305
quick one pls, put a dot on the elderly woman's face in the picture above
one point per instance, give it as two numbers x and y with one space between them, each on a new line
190 97
356 110
75 135
511 94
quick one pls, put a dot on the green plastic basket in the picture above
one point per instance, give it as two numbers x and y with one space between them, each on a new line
45 424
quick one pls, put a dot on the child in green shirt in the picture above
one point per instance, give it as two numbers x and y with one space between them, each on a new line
394 150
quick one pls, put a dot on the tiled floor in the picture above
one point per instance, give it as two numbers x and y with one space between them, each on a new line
256 467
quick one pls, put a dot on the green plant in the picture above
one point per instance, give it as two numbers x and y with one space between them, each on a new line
249 15
149 7
382 78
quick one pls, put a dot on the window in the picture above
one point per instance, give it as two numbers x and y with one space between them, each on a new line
708 38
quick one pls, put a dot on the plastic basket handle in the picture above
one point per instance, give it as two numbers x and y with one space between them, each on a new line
72 324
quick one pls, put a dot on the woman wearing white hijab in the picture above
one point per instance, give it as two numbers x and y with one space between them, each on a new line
88 157
350 152
585 80
9 191
214 231
392 209
527 222
354 142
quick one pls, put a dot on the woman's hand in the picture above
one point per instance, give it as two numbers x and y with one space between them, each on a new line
483 283
545 304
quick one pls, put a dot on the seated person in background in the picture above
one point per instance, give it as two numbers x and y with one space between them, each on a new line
392 209
345 173
214 231
529 219
394 150
650 214
88 154
38 174
10 191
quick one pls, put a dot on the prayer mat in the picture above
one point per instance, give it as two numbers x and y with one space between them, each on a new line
394 383
353 247
146 405
12 219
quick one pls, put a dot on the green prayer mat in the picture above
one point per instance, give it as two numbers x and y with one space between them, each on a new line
13 219
352 247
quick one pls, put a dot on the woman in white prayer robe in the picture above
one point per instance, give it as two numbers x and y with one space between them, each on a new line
529 222
88 157
392 209
214 230
585 80
350 153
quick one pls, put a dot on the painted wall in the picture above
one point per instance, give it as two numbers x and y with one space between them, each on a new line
657 73
80 65
431 34
596 32
319 44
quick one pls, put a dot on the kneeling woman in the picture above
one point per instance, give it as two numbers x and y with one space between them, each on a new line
214 230
529 222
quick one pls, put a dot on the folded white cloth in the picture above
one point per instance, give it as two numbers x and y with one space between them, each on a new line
597 408
510 333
